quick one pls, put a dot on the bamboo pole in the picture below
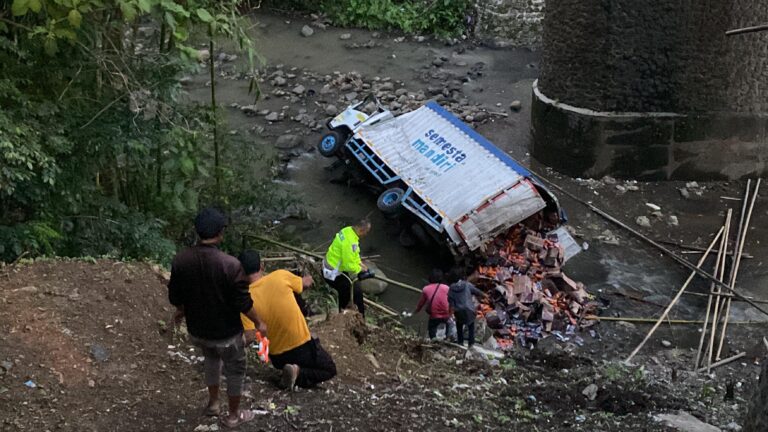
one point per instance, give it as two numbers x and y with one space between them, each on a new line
677 297
643 320
720 301
725 295
380 307
735 268
722 362
720 254
318 256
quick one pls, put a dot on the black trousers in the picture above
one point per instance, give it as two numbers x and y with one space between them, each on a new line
315 364
433 324
465 318
343 285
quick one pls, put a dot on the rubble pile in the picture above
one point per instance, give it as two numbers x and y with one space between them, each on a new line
528 297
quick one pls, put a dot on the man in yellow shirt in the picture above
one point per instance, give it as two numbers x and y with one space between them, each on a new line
342 264
291 347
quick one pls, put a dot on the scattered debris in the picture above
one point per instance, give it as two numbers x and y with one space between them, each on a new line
653 207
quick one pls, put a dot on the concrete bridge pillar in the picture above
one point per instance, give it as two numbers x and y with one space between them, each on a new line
653 89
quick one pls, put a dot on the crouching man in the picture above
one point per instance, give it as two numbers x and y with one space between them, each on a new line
291 347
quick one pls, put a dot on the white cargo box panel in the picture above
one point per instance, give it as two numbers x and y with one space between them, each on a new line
477 189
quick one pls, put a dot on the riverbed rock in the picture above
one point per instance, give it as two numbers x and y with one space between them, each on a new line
685 422
345 36
272 117
643 221
590 392
203 55
279 81
515 105
289 141
672 220
373 286
299 89
307 31
331 110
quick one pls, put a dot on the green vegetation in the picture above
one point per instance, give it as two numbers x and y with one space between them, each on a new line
440 17
97 155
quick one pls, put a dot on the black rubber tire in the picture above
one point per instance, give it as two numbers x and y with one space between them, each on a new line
330 143
390 201
405 239
420 235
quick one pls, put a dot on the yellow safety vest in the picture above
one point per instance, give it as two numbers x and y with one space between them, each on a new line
344 253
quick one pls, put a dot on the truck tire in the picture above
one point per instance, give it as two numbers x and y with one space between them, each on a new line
420 235
330 143
390 201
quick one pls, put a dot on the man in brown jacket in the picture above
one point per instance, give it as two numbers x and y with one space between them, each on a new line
210 289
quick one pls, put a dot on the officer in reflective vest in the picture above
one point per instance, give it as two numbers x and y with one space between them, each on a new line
343 268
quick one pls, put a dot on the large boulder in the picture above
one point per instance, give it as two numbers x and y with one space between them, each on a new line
373 286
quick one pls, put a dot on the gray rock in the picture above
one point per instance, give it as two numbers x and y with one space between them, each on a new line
481 116
325 89
273 116
307 31
331 110
684 193
299 89
643 221
515 105
373 286
279 81
185 80
609 180
401 92
387 86
685 422
350 96
99 353
289 141
590 392
203 55
672 220
666 344
733 426
6 365
249 110
345 36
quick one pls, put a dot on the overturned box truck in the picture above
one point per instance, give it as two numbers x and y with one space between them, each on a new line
446 180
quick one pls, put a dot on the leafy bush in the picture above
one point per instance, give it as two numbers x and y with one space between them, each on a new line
440 17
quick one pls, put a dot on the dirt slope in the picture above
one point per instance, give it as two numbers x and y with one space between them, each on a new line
92 338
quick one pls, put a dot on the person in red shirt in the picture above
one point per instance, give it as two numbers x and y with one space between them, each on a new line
434 298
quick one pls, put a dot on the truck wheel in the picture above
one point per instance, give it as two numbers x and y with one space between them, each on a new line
420 235
390 201
331 143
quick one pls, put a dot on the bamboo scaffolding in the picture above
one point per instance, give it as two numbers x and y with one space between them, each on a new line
735 268
721 253
677 297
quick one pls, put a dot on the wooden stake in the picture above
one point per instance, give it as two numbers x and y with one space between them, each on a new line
677 297
720 253
735 269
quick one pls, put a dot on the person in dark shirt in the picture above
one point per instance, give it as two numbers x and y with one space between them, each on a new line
210 290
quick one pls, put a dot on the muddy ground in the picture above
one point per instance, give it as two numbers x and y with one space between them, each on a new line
85 347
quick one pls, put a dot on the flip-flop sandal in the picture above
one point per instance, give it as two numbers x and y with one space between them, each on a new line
212 411
244 417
